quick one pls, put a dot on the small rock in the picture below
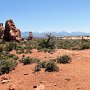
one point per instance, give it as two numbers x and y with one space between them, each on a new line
67 79
26 73
41 82
78 88
5 81
40 87
34 86
11 87
55 84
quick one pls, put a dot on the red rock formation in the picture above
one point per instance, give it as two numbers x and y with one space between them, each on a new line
1 30
30 35
11 32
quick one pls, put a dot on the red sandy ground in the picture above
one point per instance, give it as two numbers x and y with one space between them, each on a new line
73 76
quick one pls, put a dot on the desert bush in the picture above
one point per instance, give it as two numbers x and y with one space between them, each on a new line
46 44
6 66
5 55
10 55
26 60
37 68
54 60
15 57
1 48
20 47
35 60
51 66
42 64
84 46
29 60
64 59
10 46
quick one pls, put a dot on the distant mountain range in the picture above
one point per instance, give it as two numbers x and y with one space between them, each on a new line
56 34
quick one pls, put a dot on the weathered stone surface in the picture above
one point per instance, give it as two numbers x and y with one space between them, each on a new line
1 30
11 32
30 36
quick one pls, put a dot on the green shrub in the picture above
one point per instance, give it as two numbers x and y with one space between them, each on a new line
10 46
84 46
42 64
35 60
15 57
6 66
37 68
64 59
46 44
1 48
51 66
26 60
10 55
29 60
19 47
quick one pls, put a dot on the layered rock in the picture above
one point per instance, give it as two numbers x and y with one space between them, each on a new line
1 30
30 36
11 32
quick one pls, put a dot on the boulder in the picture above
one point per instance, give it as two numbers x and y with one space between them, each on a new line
1 30
11 32
30 37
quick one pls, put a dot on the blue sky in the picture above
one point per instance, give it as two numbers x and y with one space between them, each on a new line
47 15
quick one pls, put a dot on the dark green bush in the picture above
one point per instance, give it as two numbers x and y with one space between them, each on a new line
10 46
35 60
64 59
15 57
1 48
84 46
26 60
46 44
29 60
37 68
10 55
6 66
42 64
51 66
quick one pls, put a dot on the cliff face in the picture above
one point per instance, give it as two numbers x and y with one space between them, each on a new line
11 32
1 30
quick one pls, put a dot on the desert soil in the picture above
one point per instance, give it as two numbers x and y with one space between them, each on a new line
73 76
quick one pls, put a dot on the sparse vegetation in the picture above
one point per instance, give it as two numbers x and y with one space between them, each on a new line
47 44
6 66
29 60
64 59
10 46
37 68
26 60
51 66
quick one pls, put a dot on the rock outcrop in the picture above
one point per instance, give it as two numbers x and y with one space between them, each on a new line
1 30
30 36
11 32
